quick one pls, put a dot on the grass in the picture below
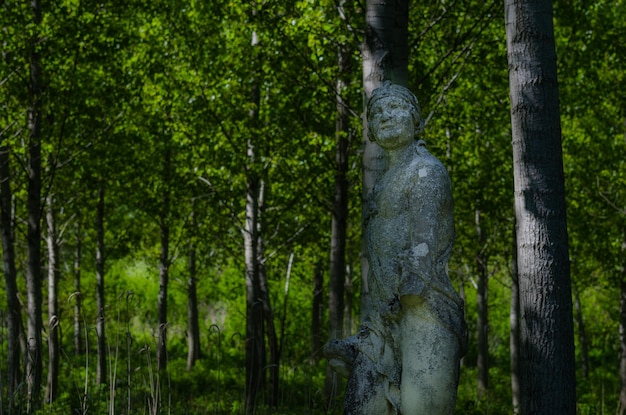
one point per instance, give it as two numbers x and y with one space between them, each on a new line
215 385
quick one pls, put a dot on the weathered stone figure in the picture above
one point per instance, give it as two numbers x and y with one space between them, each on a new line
405 357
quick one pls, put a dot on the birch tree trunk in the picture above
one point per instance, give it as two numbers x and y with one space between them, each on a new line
193 338
582 333
53 304
483 310
33 272
622 315
463 298
317 314
348 297
385 54
622 332
14 316
272 341
268 313
547 335
101 366
78 335
255 331
164 262
255 342
162 297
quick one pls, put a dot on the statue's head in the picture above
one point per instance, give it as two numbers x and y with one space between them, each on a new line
394 101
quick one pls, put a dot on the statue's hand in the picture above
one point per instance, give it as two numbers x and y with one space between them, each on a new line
341 354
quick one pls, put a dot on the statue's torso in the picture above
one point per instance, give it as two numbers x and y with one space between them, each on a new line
411 204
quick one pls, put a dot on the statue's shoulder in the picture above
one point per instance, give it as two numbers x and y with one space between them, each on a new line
429 175
426 160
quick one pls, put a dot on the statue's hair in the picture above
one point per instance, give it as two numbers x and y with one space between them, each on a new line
388 89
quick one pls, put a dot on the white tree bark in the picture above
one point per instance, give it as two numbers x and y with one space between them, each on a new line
53 317
34 368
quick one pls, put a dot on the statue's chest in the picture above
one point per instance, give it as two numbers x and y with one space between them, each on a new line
390 225
392 196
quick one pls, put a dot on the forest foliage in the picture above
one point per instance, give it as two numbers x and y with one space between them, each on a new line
150 103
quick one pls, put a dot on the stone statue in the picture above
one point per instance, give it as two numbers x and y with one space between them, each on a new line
405 357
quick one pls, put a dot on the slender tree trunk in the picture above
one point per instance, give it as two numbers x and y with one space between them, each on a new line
547 334
14 316
255 330
78 335
255 342
53 305
283 317
483 309
272 338
164 264
268 312
385 54
336 283
622 360
347 308
514 334
582 333
33 273
462 295
340 204
101 367
622 331
317 314
622 320
194 352
162 298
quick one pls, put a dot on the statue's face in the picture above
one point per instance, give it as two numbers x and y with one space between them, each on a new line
391 123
